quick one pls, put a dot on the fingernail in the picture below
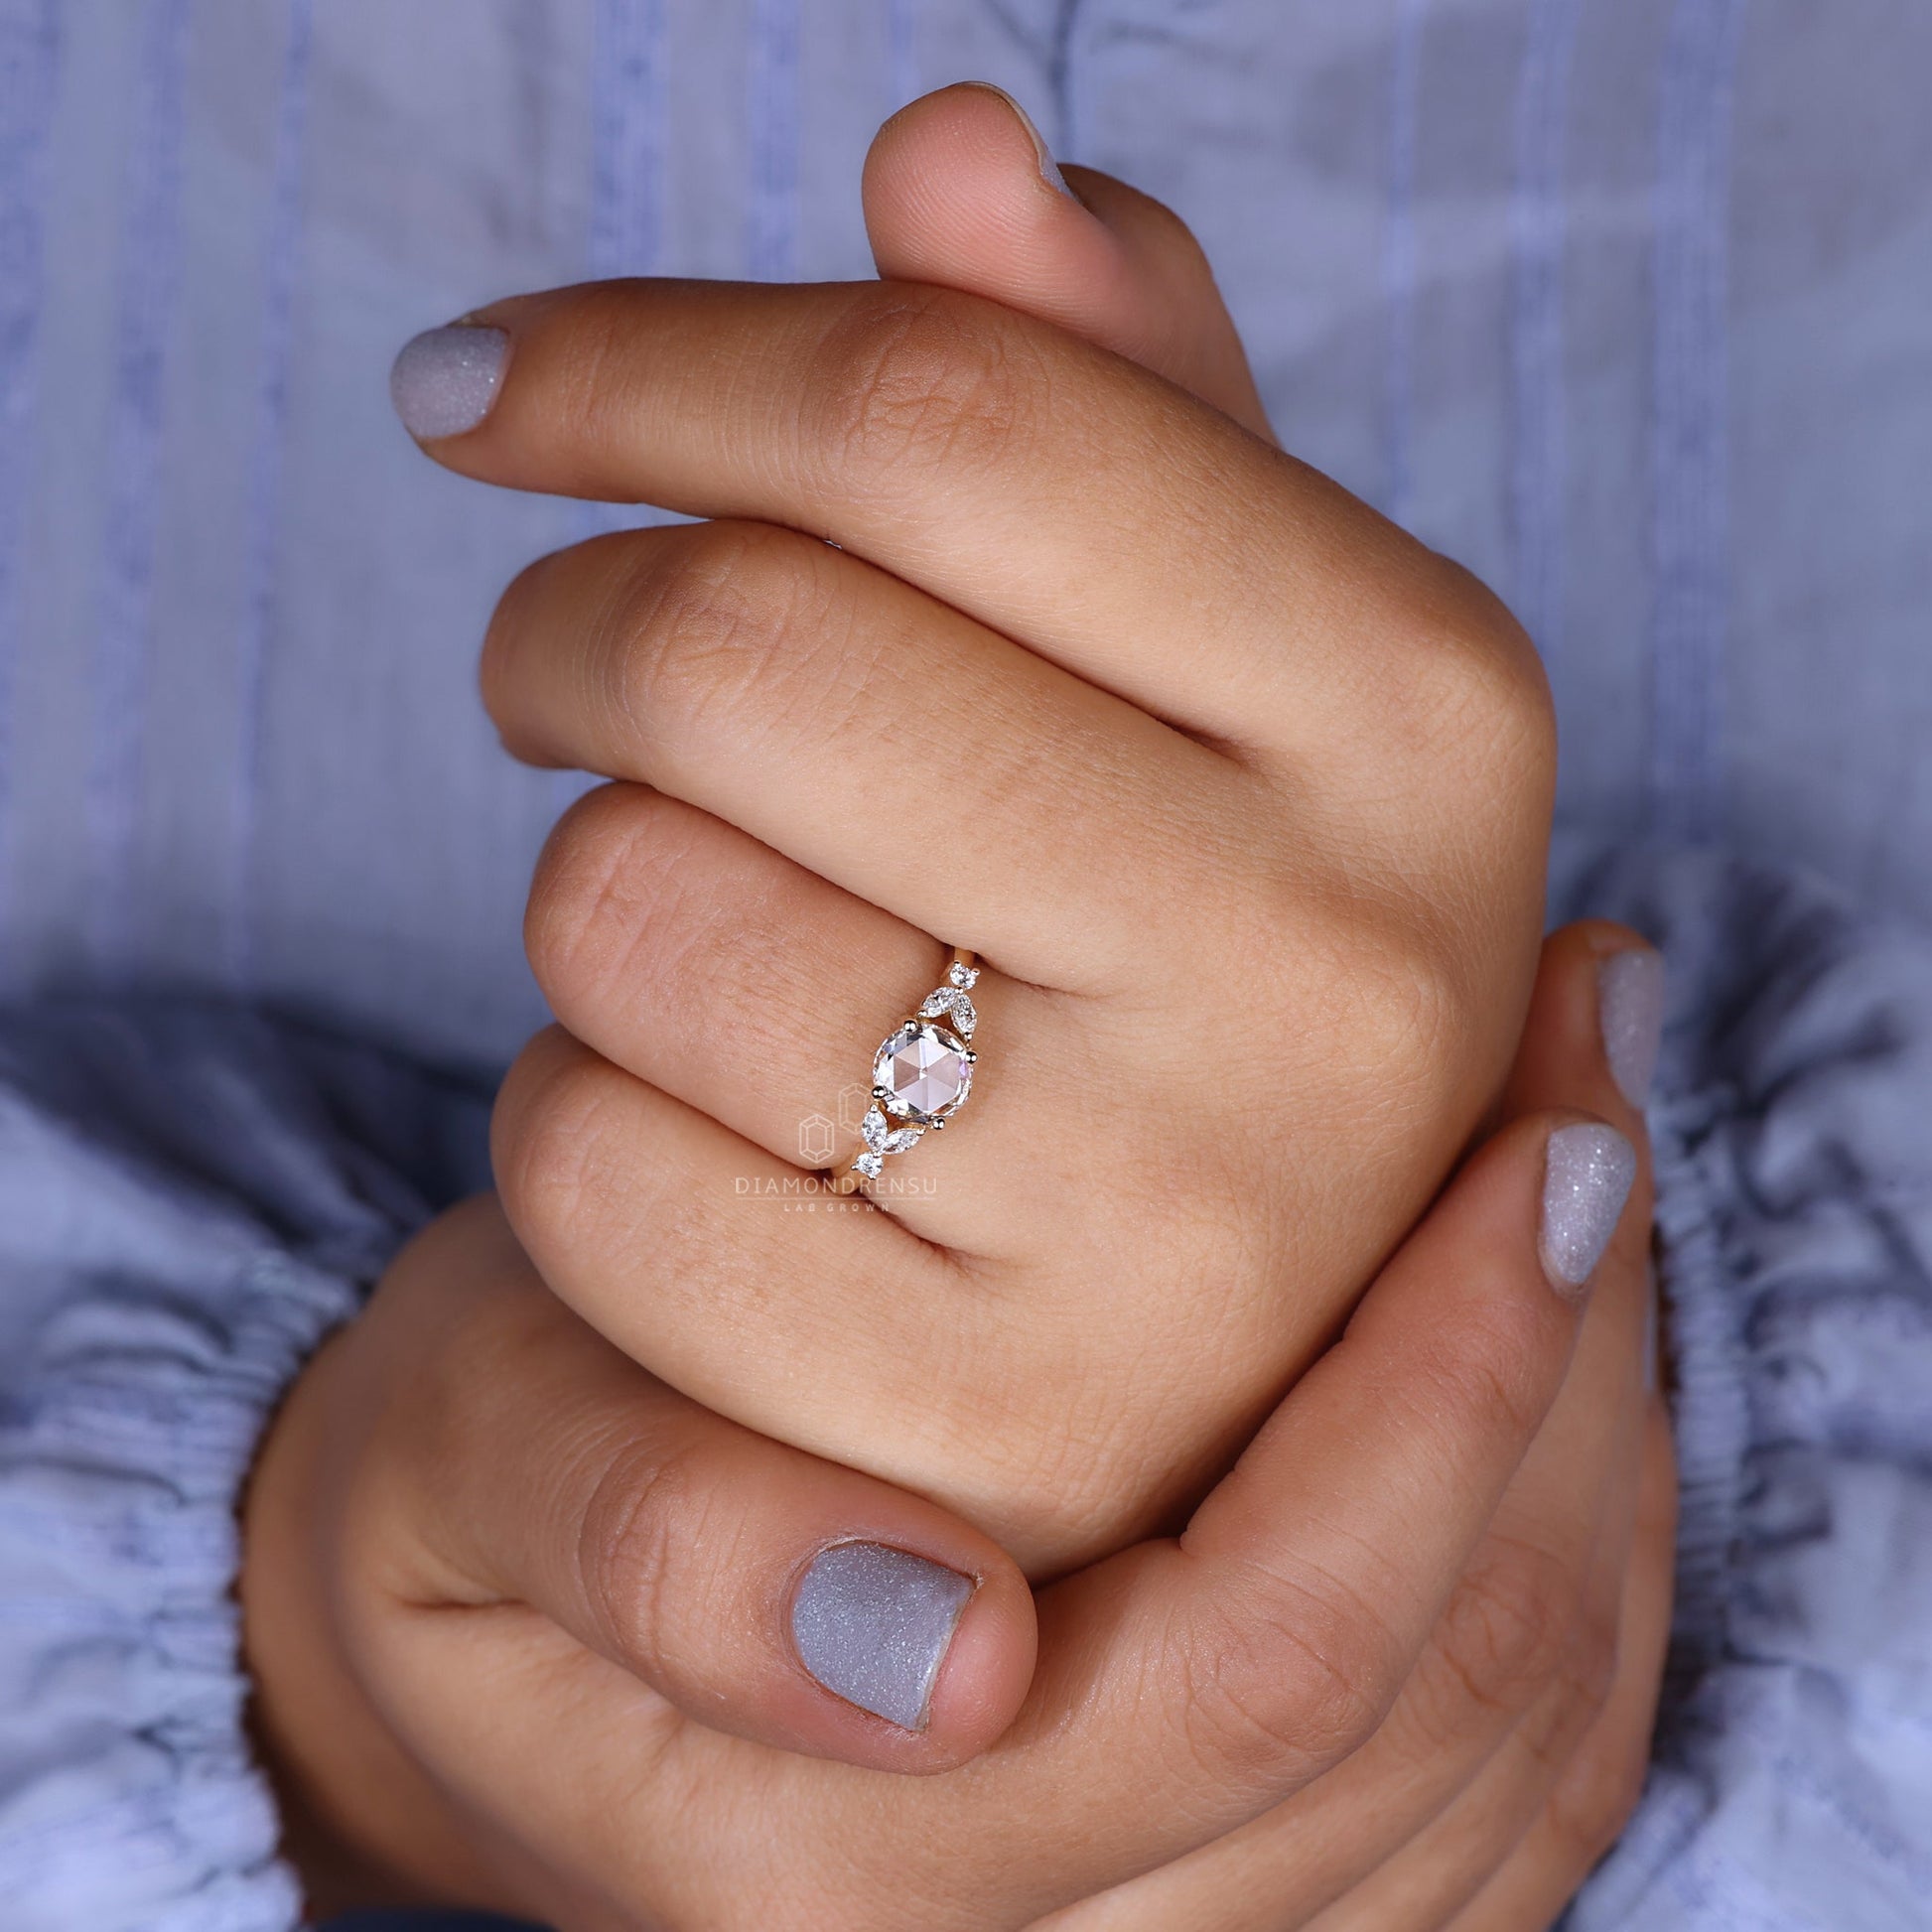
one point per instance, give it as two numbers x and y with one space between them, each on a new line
872 1624
1050 169
445 380
1586 1175
1630 1008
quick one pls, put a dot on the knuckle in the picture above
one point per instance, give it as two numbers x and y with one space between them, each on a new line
512 623
585 892
546 1137
1286 1680
910 380
1495 1372
1411 1011
637 933
645 1506
635 899
1391 1000
1479 683
689 645
1509 1631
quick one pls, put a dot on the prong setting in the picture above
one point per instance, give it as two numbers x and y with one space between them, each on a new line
923 1072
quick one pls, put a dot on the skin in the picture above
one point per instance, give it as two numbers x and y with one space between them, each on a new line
1246 817
1323 818
518 1613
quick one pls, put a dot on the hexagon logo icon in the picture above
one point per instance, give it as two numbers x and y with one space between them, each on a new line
855 1100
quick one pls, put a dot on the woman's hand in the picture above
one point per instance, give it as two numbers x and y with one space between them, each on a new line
1241 793
533 1631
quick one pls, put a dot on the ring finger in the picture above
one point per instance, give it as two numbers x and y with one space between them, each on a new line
734 980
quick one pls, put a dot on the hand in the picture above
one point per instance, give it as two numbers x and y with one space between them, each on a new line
1242 794
523 1618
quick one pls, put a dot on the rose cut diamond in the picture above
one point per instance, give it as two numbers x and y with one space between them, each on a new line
923 1072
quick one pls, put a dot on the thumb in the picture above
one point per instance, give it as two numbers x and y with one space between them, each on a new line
960 190
530 1468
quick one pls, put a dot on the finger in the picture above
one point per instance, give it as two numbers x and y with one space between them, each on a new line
686 1248
1540 1598
1588 1811
1285 1621
960 190
1429 1881
1517 1659
1054 491
663 939
536 1472
889 745
681 1242
1229 1668
1533 1616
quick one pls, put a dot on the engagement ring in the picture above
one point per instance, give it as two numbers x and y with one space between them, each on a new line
922 1071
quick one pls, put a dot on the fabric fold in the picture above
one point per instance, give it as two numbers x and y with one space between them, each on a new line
1791 1789
191 1197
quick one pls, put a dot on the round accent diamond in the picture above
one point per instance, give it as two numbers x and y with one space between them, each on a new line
921 1072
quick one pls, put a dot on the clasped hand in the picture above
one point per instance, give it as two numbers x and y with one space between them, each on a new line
615 1567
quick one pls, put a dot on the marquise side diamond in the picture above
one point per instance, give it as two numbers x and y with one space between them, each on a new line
950 1000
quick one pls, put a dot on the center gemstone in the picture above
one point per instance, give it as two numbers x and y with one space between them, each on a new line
922 1070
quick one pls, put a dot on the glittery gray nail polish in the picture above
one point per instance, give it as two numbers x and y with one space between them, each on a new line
445 380
1586 1175
1630 1008
872 1625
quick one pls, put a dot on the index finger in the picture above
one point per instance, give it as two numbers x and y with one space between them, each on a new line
1047 488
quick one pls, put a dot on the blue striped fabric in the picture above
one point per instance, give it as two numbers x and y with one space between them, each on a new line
629 96
282 260
771 119
1399 254
1539 444
30 62
1690 452
134 476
